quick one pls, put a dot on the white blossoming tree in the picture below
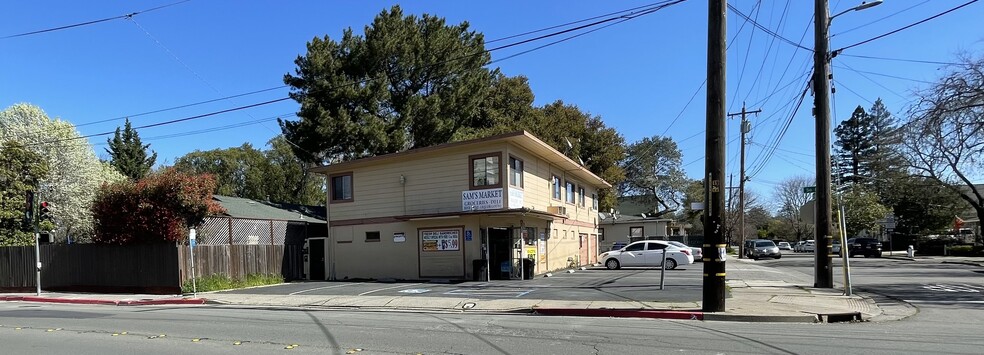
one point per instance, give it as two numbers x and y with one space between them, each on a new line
75 172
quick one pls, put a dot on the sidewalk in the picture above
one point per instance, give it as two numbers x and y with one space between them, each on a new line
757 294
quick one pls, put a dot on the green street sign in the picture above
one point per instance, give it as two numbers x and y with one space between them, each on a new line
809 189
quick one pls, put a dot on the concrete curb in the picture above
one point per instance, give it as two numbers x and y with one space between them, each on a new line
680 315
176 301
971 263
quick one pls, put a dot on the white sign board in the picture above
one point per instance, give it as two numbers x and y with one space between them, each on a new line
442 240
515 198
399 237
478 200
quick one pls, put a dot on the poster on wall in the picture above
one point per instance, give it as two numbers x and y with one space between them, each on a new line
440 240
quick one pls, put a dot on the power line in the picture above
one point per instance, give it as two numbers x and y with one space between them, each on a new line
767 30
887 75
905 27
879 20
757 9
574 22
624 18
900 59
875 82
127 16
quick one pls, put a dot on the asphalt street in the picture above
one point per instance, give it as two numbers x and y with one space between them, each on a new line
84 329
594 284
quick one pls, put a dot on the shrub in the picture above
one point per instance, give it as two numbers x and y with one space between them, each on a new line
224 282
158 208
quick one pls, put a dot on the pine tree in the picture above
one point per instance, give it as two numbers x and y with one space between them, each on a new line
128 155
854 147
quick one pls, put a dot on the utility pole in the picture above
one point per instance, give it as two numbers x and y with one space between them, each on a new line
714 247
745 128
823 275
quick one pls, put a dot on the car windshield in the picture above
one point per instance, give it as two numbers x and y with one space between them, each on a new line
765 243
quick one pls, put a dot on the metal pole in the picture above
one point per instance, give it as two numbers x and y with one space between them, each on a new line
36 218
662 269
842 217
191 246
714 150
823 275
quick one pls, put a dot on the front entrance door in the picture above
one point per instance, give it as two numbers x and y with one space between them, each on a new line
500 248
316 258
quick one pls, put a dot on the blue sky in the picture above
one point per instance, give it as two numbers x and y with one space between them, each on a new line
637 75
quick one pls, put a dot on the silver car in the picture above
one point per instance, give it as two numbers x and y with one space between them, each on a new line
762 248
695 251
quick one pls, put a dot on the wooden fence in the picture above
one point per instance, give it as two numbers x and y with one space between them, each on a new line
159 268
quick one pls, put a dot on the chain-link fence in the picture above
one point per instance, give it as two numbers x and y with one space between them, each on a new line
241 231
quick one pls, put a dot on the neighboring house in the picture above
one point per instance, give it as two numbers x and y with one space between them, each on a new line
461 210
623 229
248 222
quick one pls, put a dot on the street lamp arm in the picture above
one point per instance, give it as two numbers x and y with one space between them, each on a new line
864 5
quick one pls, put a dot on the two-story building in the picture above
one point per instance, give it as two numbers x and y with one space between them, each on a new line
463 210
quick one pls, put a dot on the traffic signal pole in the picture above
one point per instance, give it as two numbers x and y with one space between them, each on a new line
714 248
36 221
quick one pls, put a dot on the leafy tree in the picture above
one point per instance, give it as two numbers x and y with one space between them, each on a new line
583 138
790 198
75 173
128 155
653 171
693 192
944 138
408 82
20 171
239 171
155 209
507 108
757 223
923 206
862 211
274 175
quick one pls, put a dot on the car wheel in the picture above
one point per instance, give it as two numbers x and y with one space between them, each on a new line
670 264
612 264
778 256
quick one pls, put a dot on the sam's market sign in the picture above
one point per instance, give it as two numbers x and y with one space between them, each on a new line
478 200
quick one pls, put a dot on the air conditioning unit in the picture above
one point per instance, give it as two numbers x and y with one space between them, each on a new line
562 210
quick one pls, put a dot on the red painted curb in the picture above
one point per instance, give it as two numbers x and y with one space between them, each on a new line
166 301
103 302
621 313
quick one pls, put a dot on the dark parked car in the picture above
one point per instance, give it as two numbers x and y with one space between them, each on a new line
869 247
761 248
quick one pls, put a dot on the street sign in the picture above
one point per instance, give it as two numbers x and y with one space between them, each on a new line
809 189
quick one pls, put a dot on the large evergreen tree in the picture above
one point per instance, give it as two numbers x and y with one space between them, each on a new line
854 147
407 82
128 155
653 171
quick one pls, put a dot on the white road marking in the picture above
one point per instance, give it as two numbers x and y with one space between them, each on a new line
319 288
513 293
387 288
944 302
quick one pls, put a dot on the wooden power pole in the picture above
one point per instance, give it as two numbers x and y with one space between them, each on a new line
715 250
745 128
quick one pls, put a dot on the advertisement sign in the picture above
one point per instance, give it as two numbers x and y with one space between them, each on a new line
515 198
399 237
442 240
478 200
531 252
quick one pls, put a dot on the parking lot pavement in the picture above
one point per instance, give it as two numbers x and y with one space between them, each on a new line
592 284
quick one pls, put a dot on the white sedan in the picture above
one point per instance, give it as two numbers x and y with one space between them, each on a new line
697 253
647 253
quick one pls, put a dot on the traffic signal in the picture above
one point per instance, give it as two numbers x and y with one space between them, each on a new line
44 213
29 207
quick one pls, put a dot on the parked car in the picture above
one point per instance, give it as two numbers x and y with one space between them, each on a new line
869 247
698 253
647 253
784 246
619 245
835 248
761 248
806 246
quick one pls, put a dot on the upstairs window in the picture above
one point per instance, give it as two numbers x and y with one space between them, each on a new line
555 185
580 196
485 171
594 202
341 188
570 192
515 172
